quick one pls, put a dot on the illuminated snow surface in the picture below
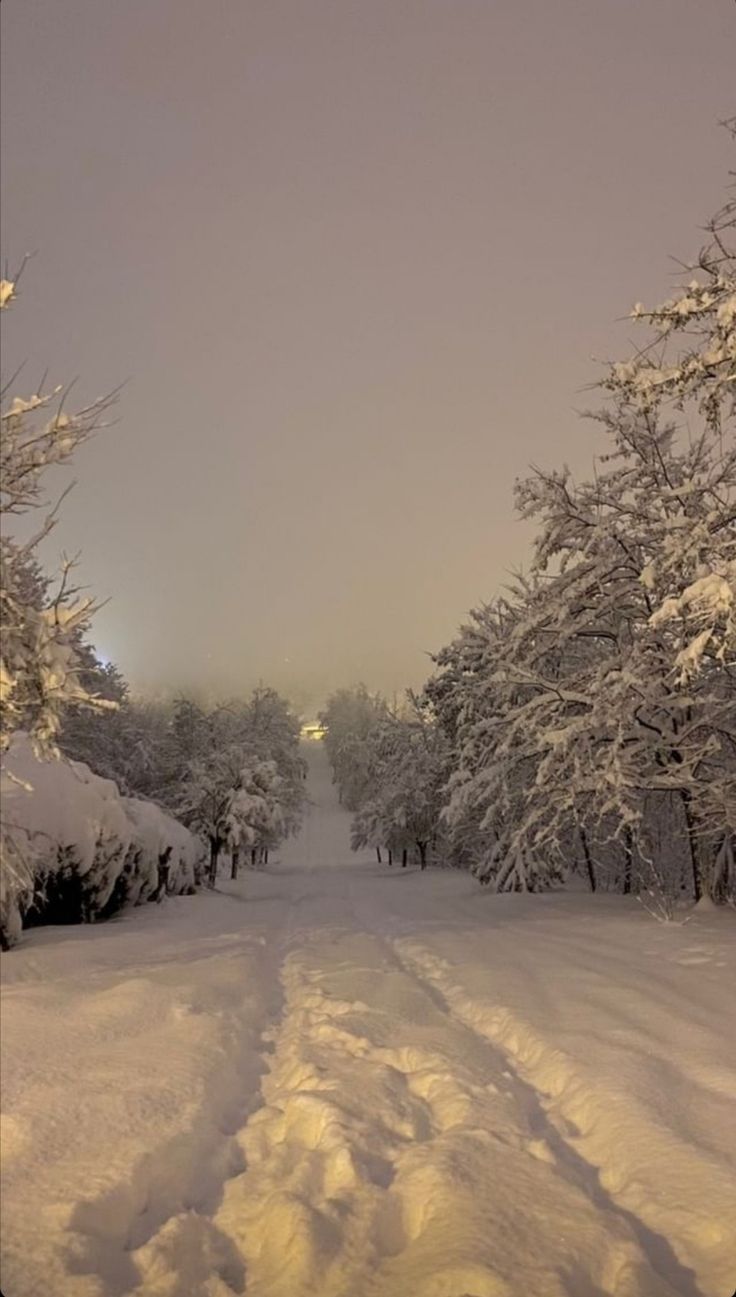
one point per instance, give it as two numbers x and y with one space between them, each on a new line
337 1079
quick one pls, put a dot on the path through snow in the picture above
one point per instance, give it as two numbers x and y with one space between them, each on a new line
336 1079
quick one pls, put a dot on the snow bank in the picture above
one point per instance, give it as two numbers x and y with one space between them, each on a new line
622 1032
74 850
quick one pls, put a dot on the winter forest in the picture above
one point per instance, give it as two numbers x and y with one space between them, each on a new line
415 994
582 721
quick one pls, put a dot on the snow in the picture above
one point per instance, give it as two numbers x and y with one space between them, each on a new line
63 803
340 1079
64 819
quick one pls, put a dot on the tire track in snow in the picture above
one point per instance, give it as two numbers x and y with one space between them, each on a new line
384 1162
316 1176
155 1233
172 1238
551 1136
189 1245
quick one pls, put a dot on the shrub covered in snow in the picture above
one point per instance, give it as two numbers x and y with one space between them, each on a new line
87 850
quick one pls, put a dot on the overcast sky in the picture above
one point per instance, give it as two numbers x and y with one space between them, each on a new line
358 259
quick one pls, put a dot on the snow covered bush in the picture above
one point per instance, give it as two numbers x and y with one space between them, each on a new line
167 858
87 850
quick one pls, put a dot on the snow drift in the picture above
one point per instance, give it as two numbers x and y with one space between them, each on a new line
76 851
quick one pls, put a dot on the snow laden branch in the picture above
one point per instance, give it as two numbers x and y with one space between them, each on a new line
688 365
41 629
569 723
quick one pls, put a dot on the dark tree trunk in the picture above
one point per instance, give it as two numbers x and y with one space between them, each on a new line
628 860
390 856
422 849
404 856
588 860
693 845
378 855
234 862
162 872
214 856
253 857
723 876
265 856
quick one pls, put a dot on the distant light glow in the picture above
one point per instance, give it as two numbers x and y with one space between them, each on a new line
313 730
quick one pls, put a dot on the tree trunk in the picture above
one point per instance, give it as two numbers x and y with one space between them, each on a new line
628 860
214 855
378 855
265 856
163 873
723 874
404 855
234 862
588 860
422 848
696 865
253 857
390 856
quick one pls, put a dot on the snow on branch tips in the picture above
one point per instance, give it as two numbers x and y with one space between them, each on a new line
688 366
41 630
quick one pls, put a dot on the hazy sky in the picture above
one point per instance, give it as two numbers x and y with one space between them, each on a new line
357 259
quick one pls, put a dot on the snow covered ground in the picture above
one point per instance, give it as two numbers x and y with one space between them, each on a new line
337 1079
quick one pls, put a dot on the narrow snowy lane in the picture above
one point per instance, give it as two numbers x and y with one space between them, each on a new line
336 1079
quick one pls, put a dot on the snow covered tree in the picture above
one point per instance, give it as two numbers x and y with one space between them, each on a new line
242 784
595 702
572 721
271 732
262 728
259 811
100 738
206 801
688 364
406 767
39 662
350 717
40 627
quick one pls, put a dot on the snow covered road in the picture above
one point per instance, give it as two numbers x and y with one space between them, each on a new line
336 1079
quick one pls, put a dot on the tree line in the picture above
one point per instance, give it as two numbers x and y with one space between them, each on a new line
586 716
231 772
